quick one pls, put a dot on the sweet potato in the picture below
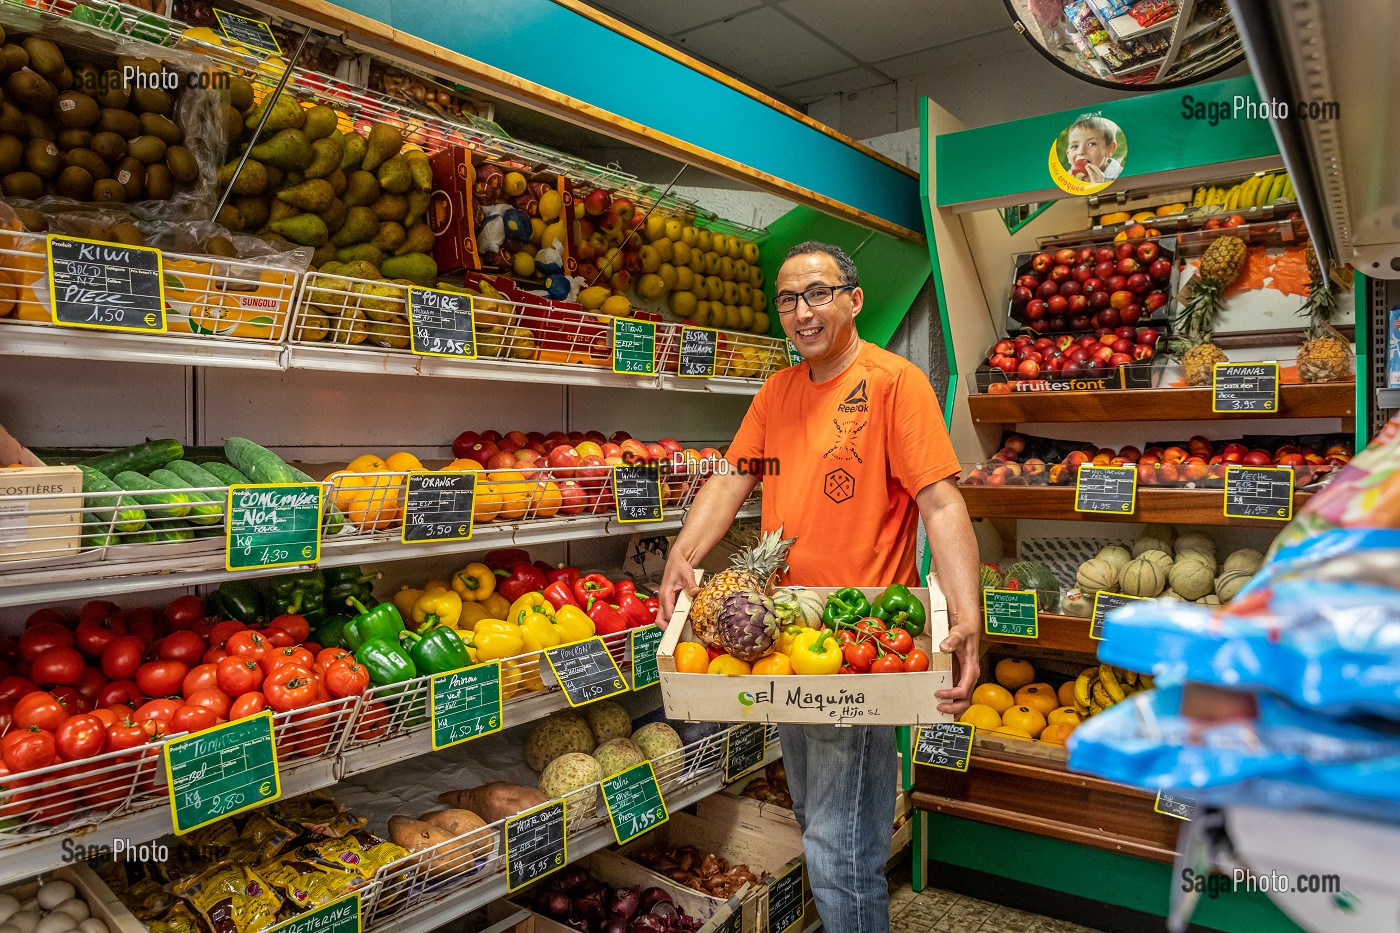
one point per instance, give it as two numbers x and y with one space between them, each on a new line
462 823
495 801
417 836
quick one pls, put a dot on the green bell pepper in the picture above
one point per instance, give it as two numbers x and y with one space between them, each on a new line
845 607
344 583
330 631
386 662
899 608
239 600
383 621
299 593
436 651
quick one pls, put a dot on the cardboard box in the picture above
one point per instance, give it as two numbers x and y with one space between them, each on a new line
104 904
451 212
770 819
837 699
41 507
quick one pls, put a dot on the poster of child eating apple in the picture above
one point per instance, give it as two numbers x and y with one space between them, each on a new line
1088 155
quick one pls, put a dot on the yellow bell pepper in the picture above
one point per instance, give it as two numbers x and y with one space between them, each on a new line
496 639
437 584
497 605
468 642
474 582
437 607
787 636
573 624
404 599
540 633
527 604
816 652
472 613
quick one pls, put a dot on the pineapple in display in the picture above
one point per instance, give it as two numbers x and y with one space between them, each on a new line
1324 356
751 569
1221 265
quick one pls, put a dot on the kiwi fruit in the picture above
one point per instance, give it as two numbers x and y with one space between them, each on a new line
240 93
74 139
152 100
153 124
74 182
149 149
230 218
278 240
87 77
108 145
33 221
11 154
15 57
115 93
30 90
108 189
64 79
24 185
76 109
89 160
44 56
42 158
131 175
12 121
220 246
125 124
36 127
181 163
159 183
126 233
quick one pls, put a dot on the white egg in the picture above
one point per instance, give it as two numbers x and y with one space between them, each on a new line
75 907
9 906
26 920
53 893
56 922
92 925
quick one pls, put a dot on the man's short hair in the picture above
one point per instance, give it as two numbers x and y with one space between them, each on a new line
844 263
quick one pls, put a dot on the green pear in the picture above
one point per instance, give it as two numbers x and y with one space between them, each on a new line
324 255
325 159
360 269
304 229
335 215
289 149
361 188
251 180
360 226
339 181
419 169
418 202
390 236
312 196
383 144
394 176
321 122
354 151
391 334
281 210
419 240
286 114
390 207
254 211
360 252
417 267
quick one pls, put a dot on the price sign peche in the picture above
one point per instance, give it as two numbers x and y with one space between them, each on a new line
586 671
441 323
1168 805
537 843
634 346
1245 387
637 493
699 351
744 749
221 771
945 745
1012 613
1259 492
466 704
253 33
787 907
342 916
1111 489
106 286
273 525
438 507
634 802
1104 603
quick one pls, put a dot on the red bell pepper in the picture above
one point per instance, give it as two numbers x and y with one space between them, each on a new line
503 558
544 568
606 619
567 574
634 611
593 586
520 578
653 608
624 587
559 595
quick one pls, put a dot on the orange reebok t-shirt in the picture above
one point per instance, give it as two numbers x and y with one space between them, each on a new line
844 460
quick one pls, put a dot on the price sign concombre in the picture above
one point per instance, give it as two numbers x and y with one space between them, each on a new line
221 771
1104 603
1012 613
438 507
106 286
1245 388
273 525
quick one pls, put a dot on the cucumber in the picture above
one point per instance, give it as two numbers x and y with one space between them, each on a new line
174 533
207 532
226 474
194 474
168 503
209 509
257 462
109 512
102 539
335 519
139 537
138 458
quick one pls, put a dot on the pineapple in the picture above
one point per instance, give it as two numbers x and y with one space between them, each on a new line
1324 355
752 570
1222 264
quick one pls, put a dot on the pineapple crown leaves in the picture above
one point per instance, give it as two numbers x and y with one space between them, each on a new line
1321 303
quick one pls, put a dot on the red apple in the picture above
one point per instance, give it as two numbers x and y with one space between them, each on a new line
482 451
670 444
1257 457
1124 251
1103 269
1119 359
564 456
1138 283
1057 305
1003 346
1093 285
1078 304
1161 269
1069 288
1119 300
1148 336
1079 321
1101 354
1066 256
1131 314
463 443
1029 369
1029 281
596 437
1020 296
1122 346
1082 274
596 202
1059 274
1085 254
573 497
1147 251
508 446
1115 283
501 461
1046 289
1108 317
1105 254
1098 300
1042 262
1126 266
1234 220
1154 301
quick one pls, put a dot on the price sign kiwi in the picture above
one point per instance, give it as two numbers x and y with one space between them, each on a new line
1111 489
1171 805
1012 613
537 843
253 33
106 286
441 323
699 349
438 507
637 493
1259 492
1104 603
945 745
1245 388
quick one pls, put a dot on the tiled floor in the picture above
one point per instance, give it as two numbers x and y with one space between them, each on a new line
935 911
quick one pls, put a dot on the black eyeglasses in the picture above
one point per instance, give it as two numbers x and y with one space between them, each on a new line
816 296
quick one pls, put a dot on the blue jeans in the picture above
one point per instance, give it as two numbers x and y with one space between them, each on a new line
843 783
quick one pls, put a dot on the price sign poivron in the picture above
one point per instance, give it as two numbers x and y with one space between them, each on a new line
641 648
537 843
438 507
466 704
634 802
1010 612
586 671
441 323
634 347
273 525
223 770
106 286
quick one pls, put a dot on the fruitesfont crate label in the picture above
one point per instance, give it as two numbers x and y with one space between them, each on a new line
466 704
1104 603
699 349
641 648
786 906
634 346
637 493
634 802
223 770
1245 387
1259 492
744 749
1010 612
945 745
438 507
537 843
253 33
106 286
586 671
1170 805
342 916
273 525
1111 489
793 356
441 323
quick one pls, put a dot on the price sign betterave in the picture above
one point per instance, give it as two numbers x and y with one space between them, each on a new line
342 916
221 771
466 704
106 286
634 802
438 507
586 671
1012 613
537 843
272 525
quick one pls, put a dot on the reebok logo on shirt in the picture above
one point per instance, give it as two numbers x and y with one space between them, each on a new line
857 401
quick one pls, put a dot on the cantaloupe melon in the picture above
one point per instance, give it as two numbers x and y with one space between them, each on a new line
1077 603
1246 559
1229 583
1200 557
1096 574
1115 554
1160 559
1146 543
1161 532
1192 579
1194 540
1141 577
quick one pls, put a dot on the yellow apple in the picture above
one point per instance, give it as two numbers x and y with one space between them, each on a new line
655 227
669 275
683 304
674 228
649 257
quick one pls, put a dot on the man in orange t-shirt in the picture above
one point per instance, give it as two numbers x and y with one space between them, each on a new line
852 451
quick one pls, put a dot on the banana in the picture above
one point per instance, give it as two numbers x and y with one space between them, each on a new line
1110 683
1288 189
1261 196
1081 687
1232 199
1199 199
1249 190
1127 678
1216 196
1147 682
1102 696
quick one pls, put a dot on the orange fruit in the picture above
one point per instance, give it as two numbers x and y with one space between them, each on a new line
1015 673
997 697
464 466
1056 733
692 658
1024 718
729 666
486 503
1010 732
775 663
514 490
366 463
1066 693
545 500
403 462
1065 714
983 717
1039 697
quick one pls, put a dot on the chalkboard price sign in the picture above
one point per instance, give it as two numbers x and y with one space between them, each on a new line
223 770
786 906
744 749
637 493
634 346
273 525
1245 387
945 745
1169 805
1012 613
699 349
642 644
106 286
342 916
734 923
438 507
634 802
537 844
466 704
1111 489
253 33
793 356
441 323
1259 492
1104 603
586 671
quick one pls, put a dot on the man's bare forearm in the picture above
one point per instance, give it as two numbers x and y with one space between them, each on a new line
954 548
713 511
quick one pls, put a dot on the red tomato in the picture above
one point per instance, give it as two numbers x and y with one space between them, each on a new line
57 666
126 733
246 644
49 616
237 676
183 612
72 699
42 637
860 656
200 628
248 704
373 721
7 715
897 640
144 629
122 657
193 719
120 710
97 609
120 691
328 656
12 688
40 709
294 625
108 717
887 664
211 699
288 655
161 678
916 661
312 647
185 647
93 636
219 632
9 649
289 687
346 678
214 655
15 804
80 737
91 684
28 749
202 677
278 637
159 710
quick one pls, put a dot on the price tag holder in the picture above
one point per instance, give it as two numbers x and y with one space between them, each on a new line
1259 492
253 33
1169 805
586 670
634 802
699 351
342 916
106 286
1104 603
1110 489
273 525
733 923
1012 613
1245 388
466 704
793 356
786 907
441 323
221 771
637 493
945 745
641 648
537 843
634 347
745 747
438 507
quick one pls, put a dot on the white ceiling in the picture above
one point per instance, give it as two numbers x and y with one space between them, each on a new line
803 50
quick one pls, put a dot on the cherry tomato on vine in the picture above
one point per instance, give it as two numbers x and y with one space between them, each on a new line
897 640
916 661
860 656
887 664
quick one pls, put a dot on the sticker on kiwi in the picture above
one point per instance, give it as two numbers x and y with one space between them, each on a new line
1088 155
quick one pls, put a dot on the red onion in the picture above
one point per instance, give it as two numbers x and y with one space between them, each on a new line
650 897
553 904
624 903
647 923
573 877
615 925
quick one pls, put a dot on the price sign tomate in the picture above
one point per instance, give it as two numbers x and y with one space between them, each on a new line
744 749
273 525
441 323
223 770
637 493
634 803
466 704
438 507
1245 387
945 745
106 286
586 671
1010 612
1259 492
537 843
1111 489
253 33
1104 603
699 349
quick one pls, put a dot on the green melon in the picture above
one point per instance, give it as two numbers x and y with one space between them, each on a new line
1115 554
1077 603
1033 575
1096 574
1141 577
1229 583
1245 559
1194 541
1200 557
991 576
1160 559
1146 543
1161 532
1192 579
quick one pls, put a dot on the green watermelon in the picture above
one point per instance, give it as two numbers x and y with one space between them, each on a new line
991 576
1033 575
